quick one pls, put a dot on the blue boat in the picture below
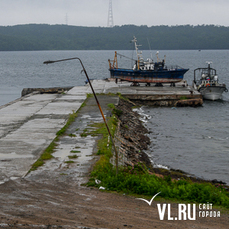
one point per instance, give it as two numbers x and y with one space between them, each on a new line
146 71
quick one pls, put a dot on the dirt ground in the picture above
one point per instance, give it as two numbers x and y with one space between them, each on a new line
55 198
46 200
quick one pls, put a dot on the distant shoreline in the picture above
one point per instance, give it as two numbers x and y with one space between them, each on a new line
40 37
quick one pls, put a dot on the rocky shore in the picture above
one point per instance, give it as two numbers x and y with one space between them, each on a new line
131 136
132 139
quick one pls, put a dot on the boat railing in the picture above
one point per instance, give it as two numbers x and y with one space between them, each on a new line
173 67
208 82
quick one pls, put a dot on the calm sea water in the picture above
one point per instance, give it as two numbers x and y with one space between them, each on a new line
195 140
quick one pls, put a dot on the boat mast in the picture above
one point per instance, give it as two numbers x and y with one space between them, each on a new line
115 62
209 68
139 54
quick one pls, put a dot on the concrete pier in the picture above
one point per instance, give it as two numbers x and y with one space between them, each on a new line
29 124
180 95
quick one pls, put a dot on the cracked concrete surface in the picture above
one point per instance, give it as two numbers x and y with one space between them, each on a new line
28 126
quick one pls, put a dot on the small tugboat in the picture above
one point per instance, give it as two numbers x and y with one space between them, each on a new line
207 83
146 71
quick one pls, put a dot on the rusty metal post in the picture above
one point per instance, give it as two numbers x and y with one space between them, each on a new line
104 119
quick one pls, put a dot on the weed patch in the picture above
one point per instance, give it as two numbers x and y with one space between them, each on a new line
135 181
75 151
138 180
47 154
69 162
111 105
73 157
71 119
117 112
183 98
72 135
84 135
89 95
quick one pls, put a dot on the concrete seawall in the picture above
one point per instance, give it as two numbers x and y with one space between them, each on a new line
29 124
51 90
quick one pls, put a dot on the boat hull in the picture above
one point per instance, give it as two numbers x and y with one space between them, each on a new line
212 92
147 76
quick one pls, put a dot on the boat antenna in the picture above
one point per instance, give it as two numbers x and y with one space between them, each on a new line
158 59
209 62
150 49
209 67
139 54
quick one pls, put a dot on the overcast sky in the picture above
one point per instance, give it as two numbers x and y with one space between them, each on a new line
95 12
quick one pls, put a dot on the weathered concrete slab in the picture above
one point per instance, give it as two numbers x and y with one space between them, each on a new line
82 90
159 96
28 125
27 91
83 147
126 88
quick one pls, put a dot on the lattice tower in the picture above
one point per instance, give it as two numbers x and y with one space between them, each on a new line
110 22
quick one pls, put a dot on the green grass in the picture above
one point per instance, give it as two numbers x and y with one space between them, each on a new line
72 135
75 151
37 164
137 179
47 154
73 157
83 135
71 119
69 162
111 105
183 98
89 95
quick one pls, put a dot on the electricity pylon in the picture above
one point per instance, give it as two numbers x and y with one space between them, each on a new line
110 22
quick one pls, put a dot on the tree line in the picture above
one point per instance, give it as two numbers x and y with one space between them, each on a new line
64 37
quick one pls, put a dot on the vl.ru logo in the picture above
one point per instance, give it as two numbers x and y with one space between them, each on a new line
184 211
149 202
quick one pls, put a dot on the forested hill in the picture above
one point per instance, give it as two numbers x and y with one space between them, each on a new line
63 37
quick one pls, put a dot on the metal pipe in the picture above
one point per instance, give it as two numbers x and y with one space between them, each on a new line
104 119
